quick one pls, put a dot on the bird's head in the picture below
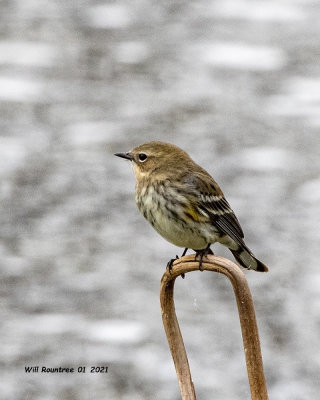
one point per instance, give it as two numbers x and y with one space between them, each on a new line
155 158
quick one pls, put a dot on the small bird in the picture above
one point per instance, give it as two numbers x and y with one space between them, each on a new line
184 204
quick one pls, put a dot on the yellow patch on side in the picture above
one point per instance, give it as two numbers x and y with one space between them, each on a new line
194 214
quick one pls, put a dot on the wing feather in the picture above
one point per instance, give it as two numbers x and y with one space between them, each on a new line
211 201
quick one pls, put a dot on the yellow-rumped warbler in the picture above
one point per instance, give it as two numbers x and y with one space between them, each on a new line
184 204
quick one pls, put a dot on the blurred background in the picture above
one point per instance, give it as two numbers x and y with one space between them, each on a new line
234 83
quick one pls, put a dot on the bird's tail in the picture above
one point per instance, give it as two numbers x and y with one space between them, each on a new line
247 260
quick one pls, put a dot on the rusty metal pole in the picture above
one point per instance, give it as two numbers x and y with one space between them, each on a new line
247 317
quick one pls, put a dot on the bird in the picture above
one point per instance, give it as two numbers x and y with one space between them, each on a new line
184 204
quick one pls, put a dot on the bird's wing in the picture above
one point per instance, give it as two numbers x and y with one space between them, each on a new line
210 201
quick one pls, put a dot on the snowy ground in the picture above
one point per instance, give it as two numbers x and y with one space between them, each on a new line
237 85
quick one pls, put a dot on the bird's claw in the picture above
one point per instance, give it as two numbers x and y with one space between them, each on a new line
203 253
170 265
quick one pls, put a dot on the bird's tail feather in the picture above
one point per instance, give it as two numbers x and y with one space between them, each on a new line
247 260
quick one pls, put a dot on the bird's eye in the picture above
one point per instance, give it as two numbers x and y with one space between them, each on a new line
142 157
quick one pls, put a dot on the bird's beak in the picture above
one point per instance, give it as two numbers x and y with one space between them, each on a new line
127 156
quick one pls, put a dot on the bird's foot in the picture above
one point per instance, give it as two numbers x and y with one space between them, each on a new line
170 263
203 253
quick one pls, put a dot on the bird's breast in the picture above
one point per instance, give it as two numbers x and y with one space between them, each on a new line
167 211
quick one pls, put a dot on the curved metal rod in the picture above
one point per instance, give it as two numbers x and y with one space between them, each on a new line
247 317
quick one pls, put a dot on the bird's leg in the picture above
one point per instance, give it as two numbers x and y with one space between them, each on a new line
184 252
170 263
202 253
